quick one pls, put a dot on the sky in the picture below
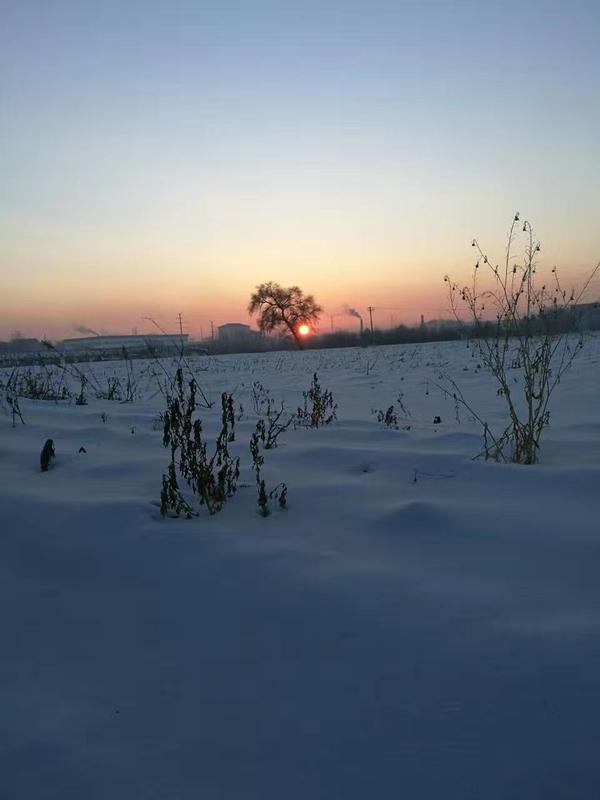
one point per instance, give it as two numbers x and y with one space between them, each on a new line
159 158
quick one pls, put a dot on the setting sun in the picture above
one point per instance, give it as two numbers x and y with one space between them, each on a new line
304 330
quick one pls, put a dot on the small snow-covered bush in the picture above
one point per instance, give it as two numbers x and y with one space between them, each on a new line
389 417
9 399
212 479
276 421
319 408
523 331
279 492
40 384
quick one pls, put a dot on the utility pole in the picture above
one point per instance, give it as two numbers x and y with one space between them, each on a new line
181 345
212 330
331 320
371 309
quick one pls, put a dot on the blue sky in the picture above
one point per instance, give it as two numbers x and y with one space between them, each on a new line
164 157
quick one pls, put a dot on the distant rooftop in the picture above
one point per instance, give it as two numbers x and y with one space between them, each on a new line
115 341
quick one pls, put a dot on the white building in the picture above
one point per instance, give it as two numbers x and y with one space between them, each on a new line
236 333
132 343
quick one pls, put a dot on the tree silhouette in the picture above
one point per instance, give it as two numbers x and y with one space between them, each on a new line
279 308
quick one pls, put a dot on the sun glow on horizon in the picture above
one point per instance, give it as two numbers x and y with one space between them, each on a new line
169 162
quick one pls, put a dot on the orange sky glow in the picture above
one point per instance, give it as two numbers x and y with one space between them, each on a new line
167 162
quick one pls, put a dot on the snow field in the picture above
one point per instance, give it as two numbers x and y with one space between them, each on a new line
416 624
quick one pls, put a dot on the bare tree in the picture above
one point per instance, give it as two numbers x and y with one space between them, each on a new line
284 309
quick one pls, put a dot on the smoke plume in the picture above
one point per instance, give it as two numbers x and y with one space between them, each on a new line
84 329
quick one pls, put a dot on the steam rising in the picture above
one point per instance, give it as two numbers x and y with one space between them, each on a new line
84 329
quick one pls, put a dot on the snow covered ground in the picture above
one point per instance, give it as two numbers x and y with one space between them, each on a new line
417 624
